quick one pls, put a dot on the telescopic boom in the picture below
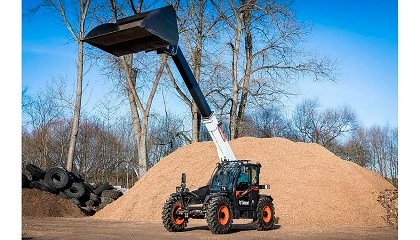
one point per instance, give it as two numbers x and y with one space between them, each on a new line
157 30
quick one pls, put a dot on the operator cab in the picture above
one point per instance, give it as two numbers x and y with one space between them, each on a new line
240 180
235 175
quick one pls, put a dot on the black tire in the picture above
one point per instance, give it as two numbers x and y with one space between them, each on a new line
92 203
88 211
63 195
28 175
100 207
43 187
114 194
106 200
36 172
219 215
94 197
76 201
75 177
265 214
25 181
88 186
171 222
76 190
57 178
100 188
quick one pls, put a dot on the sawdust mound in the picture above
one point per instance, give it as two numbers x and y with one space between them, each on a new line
37 203
310 185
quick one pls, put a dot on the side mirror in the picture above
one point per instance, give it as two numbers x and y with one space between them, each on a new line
265 186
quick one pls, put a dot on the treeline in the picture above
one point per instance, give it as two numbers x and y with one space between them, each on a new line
106 149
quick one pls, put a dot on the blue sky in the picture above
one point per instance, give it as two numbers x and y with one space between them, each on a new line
361 35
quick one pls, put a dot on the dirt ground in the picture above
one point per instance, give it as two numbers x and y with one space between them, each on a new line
90 229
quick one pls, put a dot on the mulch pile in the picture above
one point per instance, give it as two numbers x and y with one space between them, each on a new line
37 203
310 185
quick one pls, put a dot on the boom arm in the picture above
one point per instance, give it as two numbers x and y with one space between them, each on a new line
224 150
158 30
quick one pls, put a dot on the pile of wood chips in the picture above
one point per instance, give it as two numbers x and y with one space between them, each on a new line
37 203
311 186
389 200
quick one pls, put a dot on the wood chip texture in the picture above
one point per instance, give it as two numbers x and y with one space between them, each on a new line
310 185
37 203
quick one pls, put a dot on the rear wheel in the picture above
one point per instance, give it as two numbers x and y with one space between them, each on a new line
265 214
171 220
219 215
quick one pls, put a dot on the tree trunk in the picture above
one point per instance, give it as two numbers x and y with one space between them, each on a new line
135 118
140 125
196 115
196 56
76 115
248 67
126 62
235 86
143 166
195 118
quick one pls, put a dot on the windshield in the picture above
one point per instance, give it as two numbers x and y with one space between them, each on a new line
225 176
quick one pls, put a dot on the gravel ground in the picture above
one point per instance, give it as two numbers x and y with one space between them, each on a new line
91 229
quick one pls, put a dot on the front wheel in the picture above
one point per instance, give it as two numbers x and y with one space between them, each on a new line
265 214
171 220
219 215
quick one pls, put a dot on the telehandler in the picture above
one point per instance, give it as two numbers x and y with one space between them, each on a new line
233 191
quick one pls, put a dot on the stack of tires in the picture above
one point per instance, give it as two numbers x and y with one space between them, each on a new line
68 185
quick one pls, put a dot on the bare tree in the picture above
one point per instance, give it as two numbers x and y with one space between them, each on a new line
356 149
196 26
383 150
166 135
393 156
140 110
268 122
62 9
41 113
375 148
266 57
124 132
323 127
377 142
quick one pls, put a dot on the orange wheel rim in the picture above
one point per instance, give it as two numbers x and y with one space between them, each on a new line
177 220
266 214
223 215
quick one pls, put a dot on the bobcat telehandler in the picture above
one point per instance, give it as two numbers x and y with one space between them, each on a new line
233 191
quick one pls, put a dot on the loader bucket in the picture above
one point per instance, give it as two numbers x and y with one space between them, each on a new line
145 31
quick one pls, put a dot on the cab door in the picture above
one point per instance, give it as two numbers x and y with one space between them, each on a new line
247 189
